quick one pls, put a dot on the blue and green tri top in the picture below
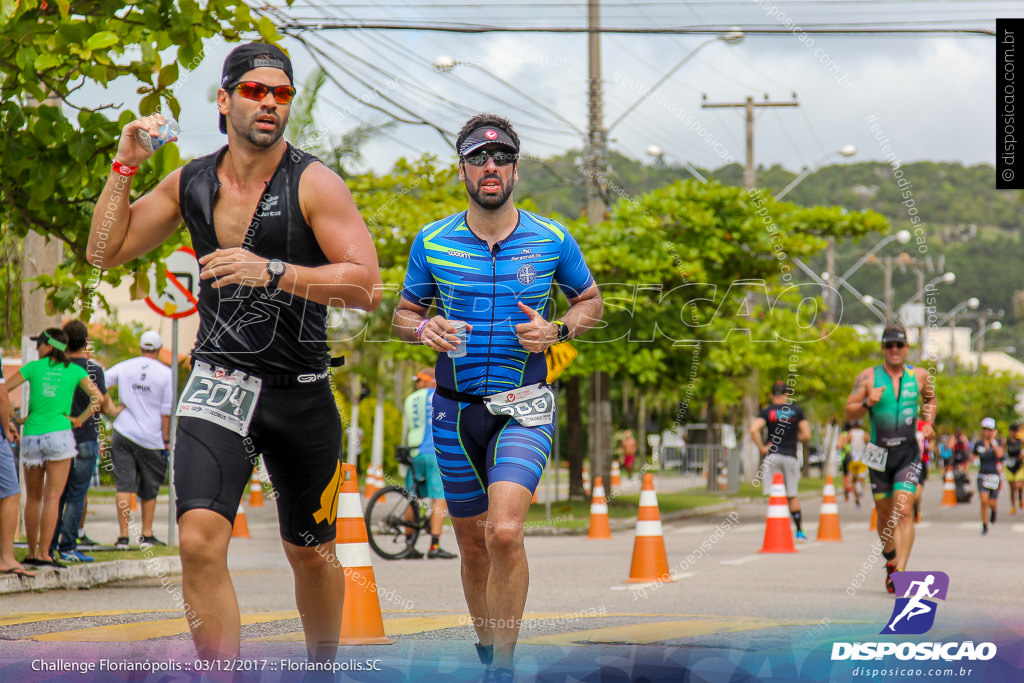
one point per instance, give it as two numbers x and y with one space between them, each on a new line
449 264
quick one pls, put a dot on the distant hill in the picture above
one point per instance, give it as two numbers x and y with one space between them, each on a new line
971 228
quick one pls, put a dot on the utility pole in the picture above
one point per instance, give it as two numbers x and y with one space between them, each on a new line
597 171
749 172
749 455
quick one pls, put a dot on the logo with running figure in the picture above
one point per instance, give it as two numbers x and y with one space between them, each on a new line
914 613
526 275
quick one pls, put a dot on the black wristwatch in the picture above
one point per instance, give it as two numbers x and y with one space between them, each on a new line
865 404
275 268
563 331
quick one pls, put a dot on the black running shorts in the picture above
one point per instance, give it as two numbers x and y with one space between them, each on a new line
297 429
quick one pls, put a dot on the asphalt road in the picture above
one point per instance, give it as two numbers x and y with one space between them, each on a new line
726 598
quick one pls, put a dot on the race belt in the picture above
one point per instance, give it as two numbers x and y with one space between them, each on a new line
225 398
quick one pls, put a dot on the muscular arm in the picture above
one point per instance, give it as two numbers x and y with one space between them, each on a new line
804 433
437 334
585 311
755 432
927 390
855 409
120 232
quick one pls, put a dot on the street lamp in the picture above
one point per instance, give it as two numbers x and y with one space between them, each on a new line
845 150
445 63
733 37
659 154
979 338
972 304
949 277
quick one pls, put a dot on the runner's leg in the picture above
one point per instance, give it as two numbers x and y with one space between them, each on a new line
903 507
318 583
206 583
470 534
509 577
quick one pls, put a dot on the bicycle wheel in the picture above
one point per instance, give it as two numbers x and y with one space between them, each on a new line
393 522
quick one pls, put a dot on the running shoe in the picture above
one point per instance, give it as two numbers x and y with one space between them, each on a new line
984 530
151 540
413 554
889 569
75 556
500 676
801 537
85 542
992 517
1013 511
440 553
122 543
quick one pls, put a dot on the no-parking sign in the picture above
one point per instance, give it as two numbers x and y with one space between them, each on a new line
179 297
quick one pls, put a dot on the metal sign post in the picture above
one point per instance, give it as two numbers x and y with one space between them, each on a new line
177 300
172 525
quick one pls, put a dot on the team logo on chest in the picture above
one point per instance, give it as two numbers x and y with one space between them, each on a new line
526 274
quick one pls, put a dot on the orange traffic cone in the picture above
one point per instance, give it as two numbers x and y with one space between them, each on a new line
949 491
828 519
370 487
650 562
778 535
255 491
240 529
586 478
599 527
874 520
723 479
616 475
361 620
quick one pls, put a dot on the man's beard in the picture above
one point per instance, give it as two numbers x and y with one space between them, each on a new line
491 201
263 138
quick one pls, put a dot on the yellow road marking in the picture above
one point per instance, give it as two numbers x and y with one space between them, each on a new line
30 617
655 632
145 630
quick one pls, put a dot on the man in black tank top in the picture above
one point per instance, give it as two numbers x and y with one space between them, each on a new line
278 238
1013 468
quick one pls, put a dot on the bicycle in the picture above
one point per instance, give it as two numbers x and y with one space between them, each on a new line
395 516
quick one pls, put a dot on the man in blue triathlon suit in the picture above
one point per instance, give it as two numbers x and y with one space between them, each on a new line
891 393
492 267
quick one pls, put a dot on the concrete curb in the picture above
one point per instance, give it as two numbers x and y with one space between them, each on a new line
89 575
628 523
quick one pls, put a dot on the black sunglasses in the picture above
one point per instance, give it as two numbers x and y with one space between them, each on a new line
256 91
500 158
894 345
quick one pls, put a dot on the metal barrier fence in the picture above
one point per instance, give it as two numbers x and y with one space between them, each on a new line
713 468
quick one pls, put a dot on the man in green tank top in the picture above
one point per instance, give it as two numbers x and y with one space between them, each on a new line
891 393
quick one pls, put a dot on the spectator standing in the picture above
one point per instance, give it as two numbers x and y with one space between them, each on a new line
48 446
71 510
10 489
142 434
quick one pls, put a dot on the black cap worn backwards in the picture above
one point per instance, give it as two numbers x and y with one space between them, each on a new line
894 334
487 135
779 389
245 58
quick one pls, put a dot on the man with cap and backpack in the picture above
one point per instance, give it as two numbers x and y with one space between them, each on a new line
278 238
892 393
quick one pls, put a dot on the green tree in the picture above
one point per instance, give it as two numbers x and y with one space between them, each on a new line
55 152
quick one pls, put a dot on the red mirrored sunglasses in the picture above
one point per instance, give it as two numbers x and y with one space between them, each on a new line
254 90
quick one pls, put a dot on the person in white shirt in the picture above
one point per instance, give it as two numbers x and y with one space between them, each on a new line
141 434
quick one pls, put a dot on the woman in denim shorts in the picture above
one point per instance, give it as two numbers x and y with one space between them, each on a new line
47 445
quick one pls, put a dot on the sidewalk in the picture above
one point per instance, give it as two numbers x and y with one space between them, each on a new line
101 525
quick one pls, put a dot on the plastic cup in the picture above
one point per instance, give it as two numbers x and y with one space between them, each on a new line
460 331
169 129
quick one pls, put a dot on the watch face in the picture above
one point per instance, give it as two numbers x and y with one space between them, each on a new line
275 267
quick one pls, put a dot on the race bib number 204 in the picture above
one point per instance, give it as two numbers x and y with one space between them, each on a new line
225 399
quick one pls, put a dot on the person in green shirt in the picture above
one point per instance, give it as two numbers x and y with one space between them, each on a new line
48 445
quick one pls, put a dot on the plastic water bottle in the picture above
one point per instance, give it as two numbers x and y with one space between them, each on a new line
169 129
461 333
